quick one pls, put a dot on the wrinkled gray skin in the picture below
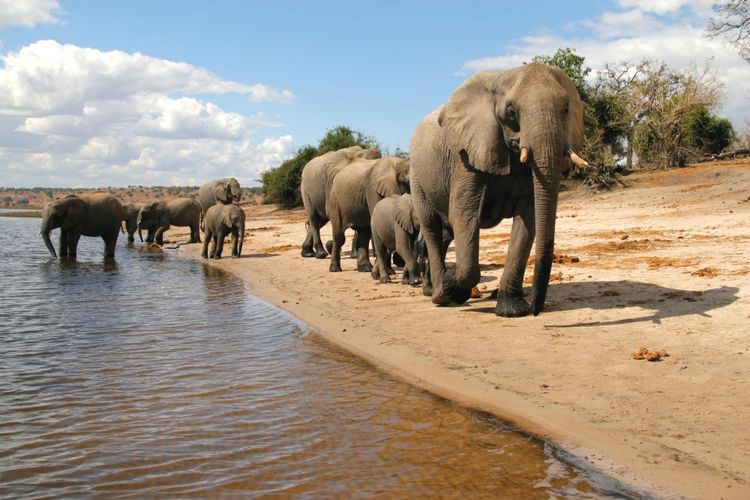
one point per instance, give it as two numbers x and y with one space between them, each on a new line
315 186
395 227
466 173
219 221
226 190
354 193
157 216
89 214
130 219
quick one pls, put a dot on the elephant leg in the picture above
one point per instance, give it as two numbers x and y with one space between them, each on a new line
219 244
315 224
73 237
234 243
338 241
110 243
398 260
381 252
307 245
404 244
467 193
363 250
206 240
150 235
195 235
63 243
355 245
510 301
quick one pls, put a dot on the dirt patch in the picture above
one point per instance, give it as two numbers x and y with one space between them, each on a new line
267 228
623 246
279 248
706 272
648 355
698 187
657 262
558 259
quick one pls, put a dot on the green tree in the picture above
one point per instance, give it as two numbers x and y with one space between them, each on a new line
343 137
707 133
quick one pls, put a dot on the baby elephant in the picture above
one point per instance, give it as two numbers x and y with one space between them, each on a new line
395 227
220 220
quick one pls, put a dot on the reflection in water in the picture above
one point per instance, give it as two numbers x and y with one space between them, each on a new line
155 375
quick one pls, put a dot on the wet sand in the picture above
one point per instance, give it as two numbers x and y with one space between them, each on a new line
661 264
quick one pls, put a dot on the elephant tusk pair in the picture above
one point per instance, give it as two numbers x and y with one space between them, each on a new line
570 154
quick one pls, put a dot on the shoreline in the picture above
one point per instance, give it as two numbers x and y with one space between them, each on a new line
659 264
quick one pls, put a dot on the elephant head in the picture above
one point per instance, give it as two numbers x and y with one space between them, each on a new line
530 117
66 214
227 190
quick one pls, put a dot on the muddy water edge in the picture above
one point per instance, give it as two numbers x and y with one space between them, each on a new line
154 374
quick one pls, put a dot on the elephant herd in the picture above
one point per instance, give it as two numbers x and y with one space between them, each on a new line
495 150
102 215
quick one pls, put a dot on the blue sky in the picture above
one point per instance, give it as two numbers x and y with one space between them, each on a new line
177 92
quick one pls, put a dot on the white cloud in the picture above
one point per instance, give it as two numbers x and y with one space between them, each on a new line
90 118
29 13
667 30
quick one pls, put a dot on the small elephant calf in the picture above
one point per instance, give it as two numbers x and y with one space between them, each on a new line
395 227
218 222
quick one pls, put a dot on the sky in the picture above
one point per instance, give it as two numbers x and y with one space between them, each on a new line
120 93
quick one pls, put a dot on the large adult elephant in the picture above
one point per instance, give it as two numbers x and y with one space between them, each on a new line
495 150
354 193
157 216
315 186
130 218
88 214
226 190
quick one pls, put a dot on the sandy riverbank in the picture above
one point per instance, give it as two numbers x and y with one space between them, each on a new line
662 263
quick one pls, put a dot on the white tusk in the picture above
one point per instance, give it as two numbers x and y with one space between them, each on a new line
524 155
577 159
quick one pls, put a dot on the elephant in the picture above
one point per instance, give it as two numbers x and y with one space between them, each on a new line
157 216
130 218
395 226
218 222
496 149
226 190
315 186
354 193
88 214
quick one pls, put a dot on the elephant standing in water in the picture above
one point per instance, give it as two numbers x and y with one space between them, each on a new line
157 216
315 186
89 214
354 193
219 221
495 150
395 226
130 218
226 190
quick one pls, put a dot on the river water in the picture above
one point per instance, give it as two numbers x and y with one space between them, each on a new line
156 375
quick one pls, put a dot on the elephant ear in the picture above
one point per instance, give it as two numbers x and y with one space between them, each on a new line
470 123
403 214
76 212
220 191
574 121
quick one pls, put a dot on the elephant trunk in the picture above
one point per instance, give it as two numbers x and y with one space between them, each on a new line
546 155
241 237
44 232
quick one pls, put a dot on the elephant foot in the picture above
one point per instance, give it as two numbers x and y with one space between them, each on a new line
384 279
511 306
390 270
364 268
204 255
334 267
308 252
217 257
321 254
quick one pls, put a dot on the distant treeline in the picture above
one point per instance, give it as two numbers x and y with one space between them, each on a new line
36 197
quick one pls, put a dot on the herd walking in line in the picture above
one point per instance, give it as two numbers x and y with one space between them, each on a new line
495 150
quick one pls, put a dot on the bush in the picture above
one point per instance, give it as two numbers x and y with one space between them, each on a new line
708 134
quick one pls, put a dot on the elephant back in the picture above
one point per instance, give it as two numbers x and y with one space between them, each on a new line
105 214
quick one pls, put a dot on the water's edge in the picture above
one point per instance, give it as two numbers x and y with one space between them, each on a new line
605 471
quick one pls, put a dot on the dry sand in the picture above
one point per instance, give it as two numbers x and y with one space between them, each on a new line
661 264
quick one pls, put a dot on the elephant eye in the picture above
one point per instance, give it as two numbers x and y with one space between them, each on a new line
511 115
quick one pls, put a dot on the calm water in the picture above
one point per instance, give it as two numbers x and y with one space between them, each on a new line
156 375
